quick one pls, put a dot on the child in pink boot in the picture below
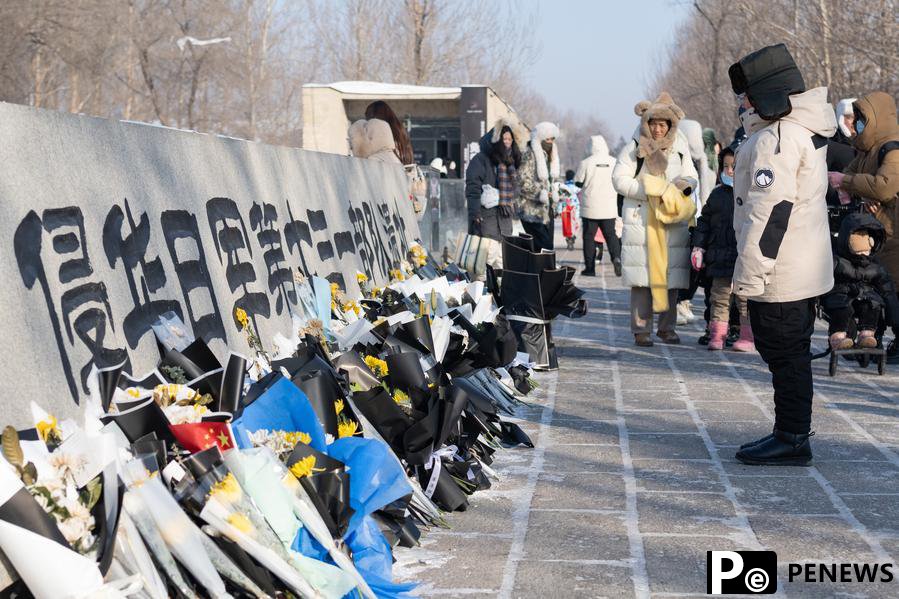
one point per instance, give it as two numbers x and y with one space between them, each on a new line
862 287
715 247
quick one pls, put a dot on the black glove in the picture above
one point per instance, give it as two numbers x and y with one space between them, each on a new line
507 210
474 227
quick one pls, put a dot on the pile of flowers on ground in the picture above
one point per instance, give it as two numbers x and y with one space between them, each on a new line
288 469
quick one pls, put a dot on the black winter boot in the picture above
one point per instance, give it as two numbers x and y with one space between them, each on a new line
617 264
782 449
757 441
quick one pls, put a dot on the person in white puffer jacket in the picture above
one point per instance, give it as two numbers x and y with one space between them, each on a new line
599 204
661 116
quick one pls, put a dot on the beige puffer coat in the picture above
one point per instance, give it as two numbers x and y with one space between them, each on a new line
780 214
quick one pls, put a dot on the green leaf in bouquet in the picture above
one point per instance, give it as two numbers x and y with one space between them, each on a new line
28 473
203 400
12 449
175 373
93 490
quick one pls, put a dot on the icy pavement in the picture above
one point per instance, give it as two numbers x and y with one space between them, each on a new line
633 477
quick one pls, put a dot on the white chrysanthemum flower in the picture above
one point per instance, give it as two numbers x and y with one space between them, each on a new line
77 530
66 463
183 414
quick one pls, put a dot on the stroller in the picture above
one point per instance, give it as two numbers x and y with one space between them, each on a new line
858 282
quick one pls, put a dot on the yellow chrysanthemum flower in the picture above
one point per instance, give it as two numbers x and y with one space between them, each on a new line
361 277
335 289
352 306
377 366
241 523
47 428
397 275
338 406
400 397
305 467
346 428
297 437
226 490
241 315
133 392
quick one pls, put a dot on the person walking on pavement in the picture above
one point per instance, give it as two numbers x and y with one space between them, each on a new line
496 165
715 248
784 257
874 177
539 176
653 173
599 204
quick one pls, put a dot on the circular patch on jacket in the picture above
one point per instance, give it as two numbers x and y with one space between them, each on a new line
764 177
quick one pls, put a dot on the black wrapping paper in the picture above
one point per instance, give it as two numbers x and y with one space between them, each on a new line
258 574
142 420
108 381
22 510
323 391
447 494
513 435
353 366
328 489
405 372
385 416
231 389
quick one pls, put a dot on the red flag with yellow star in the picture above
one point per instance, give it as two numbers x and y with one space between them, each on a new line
198 436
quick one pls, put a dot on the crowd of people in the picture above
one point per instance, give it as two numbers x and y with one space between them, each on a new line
796 217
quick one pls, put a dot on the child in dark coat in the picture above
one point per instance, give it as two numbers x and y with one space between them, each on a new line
862 287
715 247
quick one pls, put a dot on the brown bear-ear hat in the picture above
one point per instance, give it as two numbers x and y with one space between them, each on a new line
663 108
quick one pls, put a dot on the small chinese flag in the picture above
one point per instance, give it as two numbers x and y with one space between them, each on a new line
198 436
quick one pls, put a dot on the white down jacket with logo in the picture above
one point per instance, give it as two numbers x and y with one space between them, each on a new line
598 198
780 214
634 261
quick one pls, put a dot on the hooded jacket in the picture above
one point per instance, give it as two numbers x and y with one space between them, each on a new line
537 176
482 171
714 233
635 211
692 131
379 143
594 176
860 277
356 135
780 216
843 134
880 184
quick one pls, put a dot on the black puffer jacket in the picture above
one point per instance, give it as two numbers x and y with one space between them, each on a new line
482 171
859 277
714 232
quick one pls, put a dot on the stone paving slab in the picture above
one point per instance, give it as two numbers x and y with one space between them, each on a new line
633 478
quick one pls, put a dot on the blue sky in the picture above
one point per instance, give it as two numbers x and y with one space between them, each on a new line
598 56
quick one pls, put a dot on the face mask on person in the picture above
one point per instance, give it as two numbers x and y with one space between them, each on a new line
727 180
859 126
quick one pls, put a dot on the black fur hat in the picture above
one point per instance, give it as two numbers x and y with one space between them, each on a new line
768 77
